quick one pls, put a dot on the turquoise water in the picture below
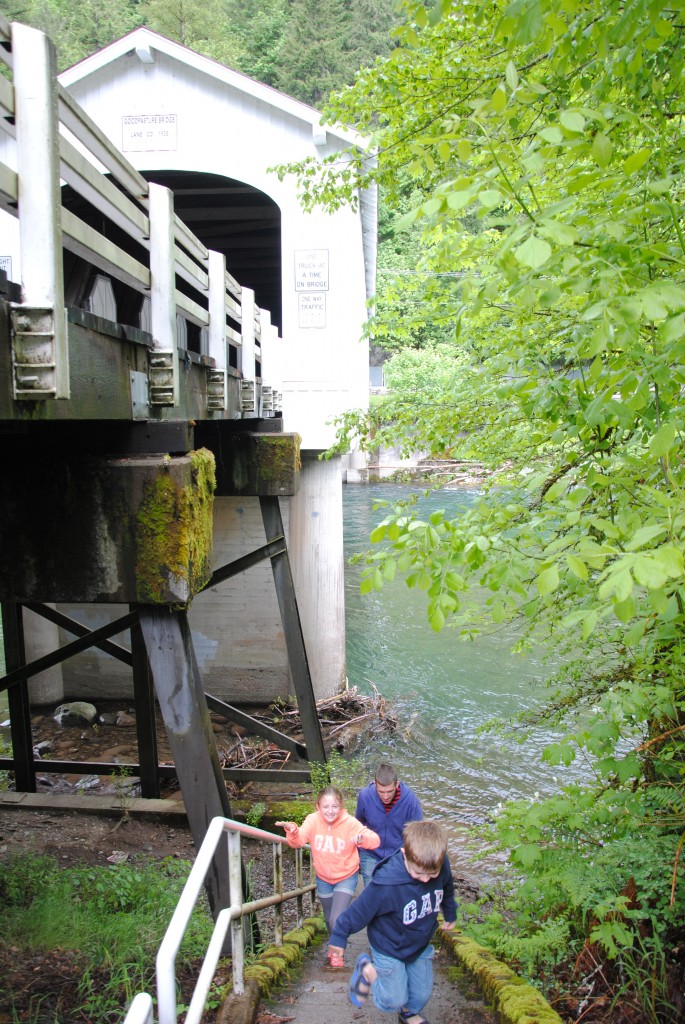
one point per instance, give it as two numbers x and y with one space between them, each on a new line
443 689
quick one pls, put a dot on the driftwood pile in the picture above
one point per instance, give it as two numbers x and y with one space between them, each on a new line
344 719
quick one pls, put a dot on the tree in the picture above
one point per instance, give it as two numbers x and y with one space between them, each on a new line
203 27
259 27
313 42
327 41
77 29
557 130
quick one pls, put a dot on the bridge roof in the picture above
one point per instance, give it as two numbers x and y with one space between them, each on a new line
144 41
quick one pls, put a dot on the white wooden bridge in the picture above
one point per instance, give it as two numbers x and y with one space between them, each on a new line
134 369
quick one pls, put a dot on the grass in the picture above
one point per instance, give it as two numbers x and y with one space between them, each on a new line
111 921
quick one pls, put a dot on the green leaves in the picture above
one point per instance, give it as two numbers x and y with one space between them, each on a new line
533 253
547 235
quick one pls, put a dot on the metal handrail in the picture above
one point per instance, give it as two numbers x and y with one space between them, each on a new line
140 1011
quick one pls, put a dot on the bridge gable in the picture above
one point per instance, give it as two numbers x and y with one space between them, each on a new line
171 110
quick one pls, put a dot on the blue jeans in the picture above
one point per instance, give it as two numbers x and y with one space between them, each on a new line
367 863
400 985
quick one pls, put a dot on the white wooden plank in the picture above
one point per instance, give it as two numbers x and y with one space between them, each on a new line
5 37
232 286
185 237
85 241
233 309
6 96
191 310
85 179
8 183
96 142
190 271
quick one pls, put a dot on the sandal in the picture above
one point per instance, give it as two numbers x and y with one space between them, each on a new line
356 991
404 1017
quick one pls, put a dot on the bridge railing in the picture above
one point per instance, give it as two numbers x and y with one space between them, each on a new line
55 141
140 1011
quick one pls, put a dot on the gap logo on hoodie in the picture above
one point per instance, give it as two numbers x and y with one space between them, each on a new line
430 904
329 844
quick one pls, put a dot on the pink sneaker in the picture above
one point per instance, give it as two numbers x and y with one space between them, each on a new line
336 962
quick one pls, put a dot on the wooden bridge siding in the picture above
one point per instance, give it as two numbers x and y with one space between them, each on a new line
101 361
102 357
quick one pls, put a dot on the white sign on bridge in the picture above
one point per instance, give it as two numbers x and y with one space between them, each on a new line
148 131
311 270
311 310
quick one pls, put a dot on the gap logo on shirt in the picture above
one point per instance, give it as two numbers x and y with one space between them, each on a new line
329 844
430 904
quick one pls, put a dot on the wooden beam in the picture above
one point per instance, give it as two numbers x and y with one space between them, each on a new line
186 717
294 639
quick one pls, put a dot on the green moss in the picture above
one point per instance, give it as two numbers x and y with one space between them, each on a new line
275 961
276 964
300 937
289 952
515 1001
275 459
264 976
286 810
174 531
524 1005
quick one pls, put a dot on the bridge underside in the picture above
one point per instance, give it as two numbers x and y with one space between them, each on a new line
109 501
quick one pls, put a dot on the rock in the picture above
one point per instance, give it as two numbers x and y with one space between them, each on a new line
87 782
117 857
42 748
76 713
125 720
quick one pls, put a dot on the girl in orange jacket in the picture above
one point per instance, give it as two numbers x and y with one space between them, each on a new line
333 835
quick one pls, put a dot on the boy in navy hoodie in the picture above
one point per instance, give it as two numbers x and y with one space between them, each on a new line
385 806
399 908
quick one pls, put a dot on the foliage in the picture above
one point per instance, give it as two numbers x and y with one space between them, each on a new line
303 48
255 813
77 27
5 751
115 916
545 142
348 774
594 874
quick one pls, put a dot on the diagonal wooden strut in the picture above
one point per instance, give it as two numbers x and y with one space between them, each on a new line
292 628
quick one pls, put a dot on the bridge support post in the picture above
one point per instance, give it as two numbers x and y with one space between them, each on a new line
146 728
40 354
184 709
164 383
18 700
250 399
217 397
294 639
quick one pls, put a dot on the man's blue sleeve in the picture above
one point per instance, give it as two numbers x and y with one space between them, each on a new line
416 810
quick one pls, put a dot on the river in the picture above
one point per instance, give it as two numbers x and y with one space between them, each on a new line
443 689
